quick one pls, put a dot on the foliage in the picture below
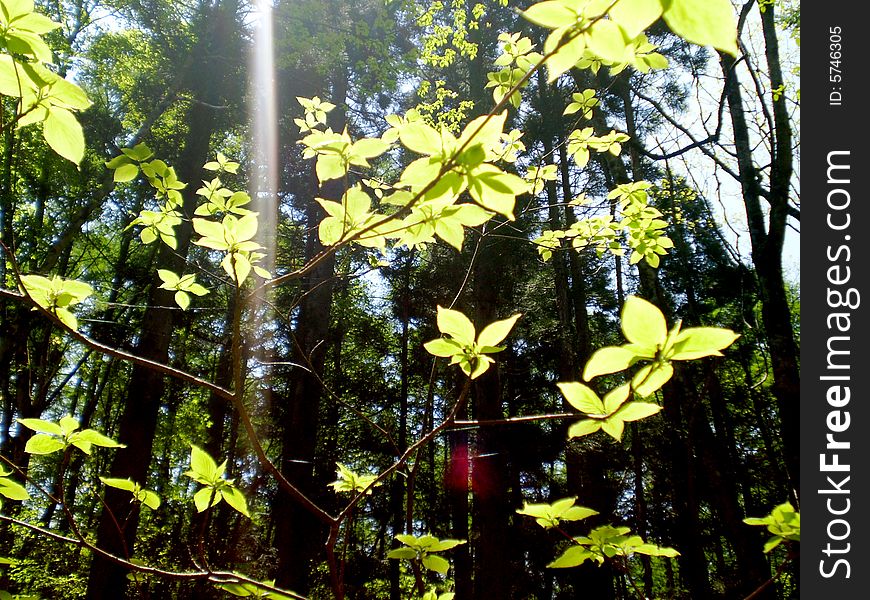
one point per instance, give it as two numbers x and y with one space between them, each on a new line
204 470
51 437
784 522
465 347
422 549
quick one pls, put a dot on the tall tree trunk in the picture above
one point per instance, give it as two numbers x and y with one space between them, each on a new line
297 535
767 240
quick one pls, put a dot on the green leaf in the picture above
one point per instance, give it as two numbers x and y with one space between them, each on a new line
122 484
442 545
235 498
68 424
202 497
651 377
634 411
182 299
36 23
635 15
615 397
566 57
12 489
572 557
607 40
435 563
551 14
697 342
407 539
91 436
126 172
203 465
613 427
12 78
577 513
653 550
642 323
584 427
582 398
150 499
609 359
456 325
704 22
63 133
42 426
407 553
43 444
442 347
495 332
420 138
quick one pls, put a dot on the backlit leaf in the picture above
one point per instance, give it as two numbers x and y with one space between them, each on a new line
704 22
63 133
43 444
642 323
609 359
697 342
456 325
584 427
42 426
572 557
435 563
582 398
494 333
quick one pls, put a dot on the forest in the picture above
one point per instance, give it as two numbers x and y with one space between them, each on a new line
390 299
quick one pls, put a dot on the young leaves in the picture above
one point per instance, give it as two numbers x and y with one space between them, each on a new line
606 543
252 590
56 295
784 522
146 497
184 286
233 235
550 515
204 470
610 415
351 482
51 437
10 488
462 348
422 549
643 325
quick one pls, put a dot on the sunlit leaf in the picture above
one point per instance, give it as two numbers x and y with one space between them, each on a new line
43 444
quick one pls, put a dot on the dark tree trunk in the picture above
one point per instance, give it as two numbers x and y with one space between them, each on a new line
767 239
298 536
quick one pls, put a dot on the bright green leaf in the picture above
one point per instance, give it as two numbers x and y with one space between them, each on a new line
697 342
704 22
584 427
495 332
63 133
634 411
609 359
43 444
456 325
234 497
583 398
572 557
42 426
642 323
435 563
